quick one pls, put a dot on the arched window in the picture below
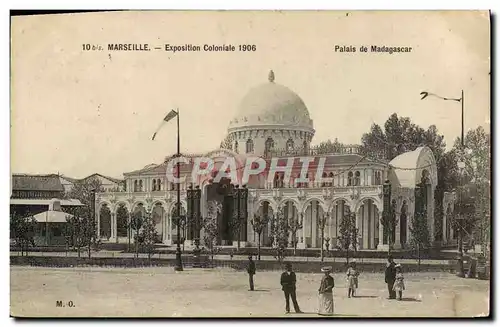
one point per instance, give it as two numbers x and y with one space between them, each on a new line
236 146
289 145
282 180
269 146
324 183
378 178
305 147
276 181
357 178
331 176
140 185
154 184
249 146
158 184
349 178
135 186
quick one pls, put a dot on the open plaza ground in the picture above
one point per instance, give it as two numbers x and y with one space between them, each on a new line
161 292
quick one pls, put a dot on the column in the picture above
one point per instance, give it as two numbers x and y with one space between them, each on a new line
397 241
330 227
364 224
430 211
445 219
314 226
98 218
381 246
359 226
114 233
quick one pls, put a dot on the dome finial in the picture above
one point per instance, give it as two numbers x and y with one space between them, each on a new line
271 76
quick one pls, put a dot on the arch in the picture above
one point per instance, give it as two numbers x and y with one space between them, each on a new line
137 203
117 204
158 214
289 145
332 204
105 220
376 202
268 145
284 201
155 202
122 216
102 203
249 146
407 168
357 178
309 200
174 206
272 203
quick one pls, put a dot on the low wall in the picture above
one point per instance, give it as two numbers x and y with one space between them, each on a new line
239 265
311 253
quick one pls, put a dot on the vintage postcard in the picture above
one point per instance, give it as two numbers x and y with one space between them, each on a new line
250 164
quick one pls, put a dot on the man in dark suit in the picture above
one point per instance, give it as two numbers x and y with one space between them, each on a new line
251 271
390 277
288 285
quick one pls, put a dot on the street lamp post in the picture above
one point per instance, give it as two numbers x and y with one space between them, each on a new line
178 253
461 165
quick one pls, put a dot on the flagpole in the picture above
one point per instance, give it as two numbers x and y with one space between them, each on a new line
178 254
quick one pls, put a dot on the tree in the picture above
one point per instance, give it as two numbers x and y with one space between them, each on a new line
210 228
477 172
294 225
23 229
258 224
400 135
348 233
148 235
279 234
322 223
136 223
419 231
329 147
122 222
81 229
82 226
235 225
389 222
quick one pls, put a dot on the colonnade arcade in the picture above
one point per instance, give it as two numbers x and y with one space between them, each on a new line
308 215
113 219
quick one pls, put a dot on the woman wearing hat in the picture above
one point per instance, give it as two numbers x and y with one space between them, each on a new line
399 284
326 293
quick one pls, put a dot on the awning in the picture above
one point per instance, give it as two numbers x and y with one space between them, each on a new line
52 217
72 202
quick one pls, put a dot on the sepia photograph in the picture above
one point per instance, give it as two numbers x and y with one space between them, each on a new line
250 164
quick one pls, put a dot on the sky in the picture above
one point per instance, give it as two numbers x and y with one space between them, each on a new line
81 112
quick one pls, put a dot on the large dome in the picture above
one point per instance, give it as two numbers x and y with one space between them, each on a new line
272 105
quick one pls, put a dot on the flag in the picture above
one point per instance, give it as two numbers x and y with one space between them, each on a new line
172 114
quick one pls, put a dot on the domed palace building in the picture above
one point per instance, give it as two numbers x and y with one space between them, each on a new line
272 122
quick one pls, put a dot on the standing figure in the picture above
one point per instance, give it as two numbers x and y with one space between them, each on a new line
390 277
251 271
352 279
399 284
288 285
326 293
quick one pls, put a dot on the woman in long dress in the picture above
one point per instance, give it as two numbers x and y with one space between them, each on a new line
326 293
352 279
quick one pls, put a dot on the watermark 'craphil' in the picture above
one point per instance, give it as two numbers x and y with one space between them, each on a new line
240 172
